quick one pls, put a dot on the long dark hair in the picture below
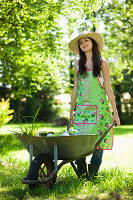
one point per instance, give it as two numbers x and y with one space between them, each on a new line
96 57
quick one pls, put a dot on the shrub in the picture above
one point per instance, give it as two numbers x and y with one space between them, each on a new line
5 112
61 121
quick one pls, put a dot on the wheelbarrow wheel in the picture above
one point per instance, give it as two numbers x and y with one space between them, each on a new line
41 167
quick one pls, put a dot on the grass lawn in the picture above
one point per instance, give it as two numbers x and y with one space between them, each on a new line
115 180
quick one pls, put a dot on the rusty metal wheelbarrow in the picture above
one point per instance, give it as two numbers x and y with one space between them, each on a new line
48 150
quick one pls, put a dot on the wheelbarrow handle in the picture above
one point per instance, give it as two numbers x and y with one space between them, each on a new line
103 136
69 125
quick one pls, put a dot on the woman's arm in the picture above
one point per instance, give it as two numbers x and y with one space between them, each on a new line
74 92
109 91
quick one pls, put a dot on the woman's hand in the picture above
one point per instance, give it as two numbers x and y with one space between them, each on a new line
71 119
116 118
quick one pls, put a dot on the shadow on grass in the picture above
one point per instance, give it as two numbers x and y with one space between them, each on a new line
9 143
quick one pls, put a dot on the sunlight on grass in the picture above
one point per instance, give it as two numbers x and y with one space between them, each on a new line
124 130
21 155
120 156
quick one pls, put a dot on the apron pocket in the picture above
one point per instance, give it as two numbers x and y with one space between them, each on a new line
86 114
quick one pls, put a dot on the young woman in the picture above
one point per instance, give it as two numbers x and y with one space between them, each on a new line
91 84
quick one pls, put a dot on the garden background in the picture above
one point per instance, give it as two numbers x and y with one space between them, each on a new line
36 71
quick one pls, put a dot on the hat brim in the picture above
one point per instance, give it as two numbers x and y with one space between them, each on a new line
73 44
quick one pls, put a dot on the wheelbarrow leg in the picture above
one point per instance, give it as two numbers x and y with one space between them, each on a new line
31 153
55 157
30 158
75 169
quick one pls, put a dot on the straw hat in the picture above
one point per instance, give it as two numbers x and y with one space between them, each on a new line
73 44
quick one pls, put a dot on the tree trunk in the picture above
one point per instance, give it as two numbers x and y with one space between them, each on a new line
17 107
118 99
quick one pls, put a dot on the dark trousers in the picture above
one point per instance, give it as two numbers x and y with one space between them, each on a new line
96 160
97 157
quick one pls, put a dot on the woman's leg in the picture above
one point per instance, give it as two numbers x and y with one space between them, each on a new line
97 157
82 168
96 161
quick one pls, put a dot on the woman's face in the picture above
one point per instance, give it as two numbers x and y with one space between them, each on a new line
85 44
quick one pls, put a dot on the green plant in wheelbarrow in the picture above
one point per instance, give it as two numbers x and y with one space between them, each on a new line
29 128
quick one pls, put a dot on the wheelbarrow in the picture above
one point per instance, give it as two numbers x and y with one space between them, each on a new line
48 150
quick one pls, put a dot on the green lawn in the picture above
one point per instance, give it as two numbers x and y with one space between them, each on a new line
115 179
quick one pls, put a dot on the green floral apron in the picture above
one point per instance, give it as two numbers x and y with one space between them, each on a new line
92 115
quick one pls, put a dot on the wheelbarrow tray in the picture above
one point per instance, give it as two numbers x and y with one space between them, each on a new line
70 147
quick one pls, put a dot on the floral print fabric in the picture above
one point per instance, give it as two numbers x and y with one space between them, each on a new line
87 114
92 115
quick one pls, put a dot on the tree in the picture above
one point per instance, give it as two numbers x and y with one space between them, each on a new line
28 40
33 47
31 41
116 17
